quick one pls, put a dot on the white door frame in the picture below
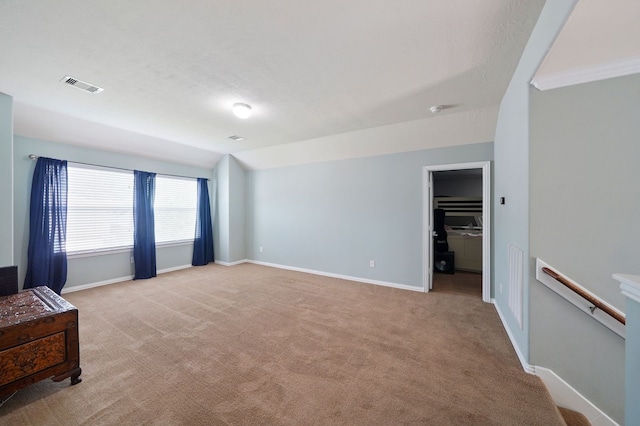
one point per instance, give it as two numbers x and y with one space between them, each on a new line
427 222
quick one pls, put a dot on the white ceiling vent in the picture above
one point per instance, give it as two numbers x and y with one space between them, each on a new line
236 138
82 85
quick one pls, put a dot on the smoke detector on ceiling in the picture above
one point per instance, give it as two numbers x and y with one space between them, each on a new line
82 85
436 109
236 138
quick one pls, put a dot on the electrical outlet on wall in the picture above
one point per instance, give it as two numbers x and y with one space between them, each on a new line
372 263
132 259
260 249
500 288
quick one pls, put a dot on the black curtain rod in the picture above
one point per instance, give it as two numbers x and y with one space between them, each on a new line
35 157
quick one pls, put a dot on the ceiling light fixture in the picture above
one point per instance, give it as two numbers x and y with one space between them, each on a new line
236 138
242 110
436 109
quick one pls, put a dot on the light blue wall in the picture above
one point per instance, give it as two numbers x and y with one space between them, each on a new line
632 376
584 214
229 226
221 225
92 269
336 216
6 180
236 211
511 171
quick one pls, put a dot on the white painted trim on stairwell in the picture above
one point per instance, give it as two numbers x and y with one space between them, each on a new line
578 300
116 280
566 396
629 285
614 69
563 394
339 276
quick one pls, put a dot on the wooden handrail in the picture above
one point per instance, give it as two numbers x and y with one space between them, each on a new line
597 303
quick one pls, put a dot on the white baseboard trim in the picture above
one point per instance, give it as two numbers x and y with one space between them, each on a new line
237 262
96 284
339 276
174 268
566 396
116 280
523 361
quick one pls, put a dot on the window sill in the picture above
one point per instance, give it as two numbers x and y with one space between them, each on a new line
102 252
174 243
129 250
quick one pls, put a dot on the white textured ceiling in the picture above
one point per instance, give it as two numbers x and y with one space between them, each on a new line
597 32
598 41
311 69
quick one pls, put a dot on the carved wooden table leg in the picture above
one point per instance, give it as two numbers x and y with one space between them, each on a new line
75 377
74 374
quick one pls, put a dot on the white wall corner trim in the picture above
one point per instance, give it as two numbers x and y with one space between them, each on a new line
339 276
566 396
525 364
629 285
614 69
116 280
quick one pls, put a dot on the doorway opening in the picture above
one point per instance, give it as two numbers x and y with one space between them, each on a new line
467 219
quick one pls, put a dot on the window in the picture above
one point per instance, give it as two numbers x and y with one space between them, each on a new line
175 207
100 209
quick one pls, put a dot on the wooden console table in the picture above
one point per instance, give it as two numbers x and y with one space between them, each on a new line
38 339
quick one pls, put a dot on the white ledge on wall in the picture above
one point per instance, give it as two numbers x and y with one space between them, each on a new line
619 68
629 285
578 301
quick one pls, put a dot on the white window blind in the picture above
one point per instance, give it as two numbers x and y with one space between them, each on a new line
99 209
175 205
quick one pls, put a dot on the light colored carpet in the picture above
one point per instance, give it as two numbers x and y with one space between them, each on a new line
573 418
255 345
